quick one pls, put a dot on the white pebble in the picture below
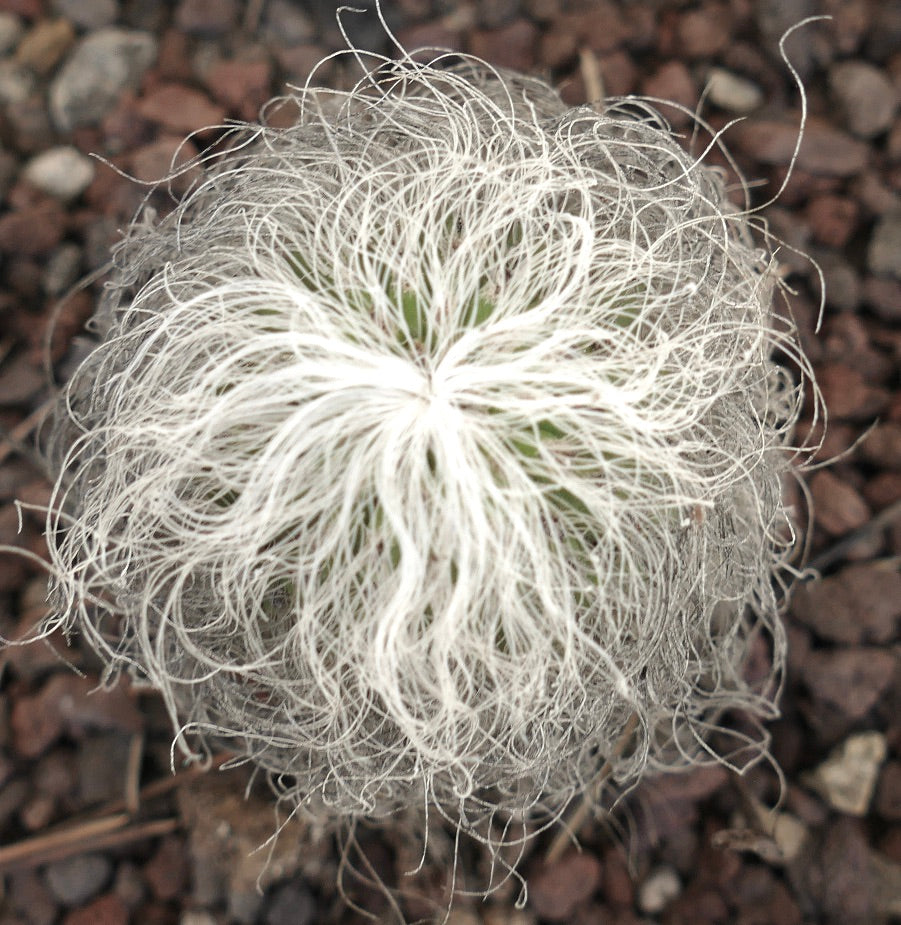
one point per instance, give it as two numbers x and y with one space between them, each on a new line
63 172
661 886
733 93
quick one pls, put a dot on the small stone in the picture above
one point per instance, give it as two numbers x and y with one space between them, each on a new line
286 23
20 381
426 36
838 507
883 295
882 445
290 904
166 872
618 73
862 603
105 910
865 96
30 125
88 14
733 93
129 885
197 917
28 894
63 172
27 9
847 778
832 219
888 792
850 680
157 161
98 765
242 86
102 65
673 81
825 151
514 46
16 83
180 108
62 269
884 254
73 881
11 30
661 886
846 888
557 889
492 14
206 17
841 283
69 702
705 31
45 44
846 393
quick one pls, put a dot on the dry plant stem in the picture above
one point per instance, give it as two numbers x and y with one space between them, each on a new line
570 826
591 76
95 835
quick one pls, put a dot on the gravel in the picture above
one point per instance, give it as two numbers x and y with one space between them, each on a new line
125 79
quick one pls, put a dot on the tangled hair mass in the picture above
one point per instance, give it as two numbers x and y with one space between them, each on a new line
431 442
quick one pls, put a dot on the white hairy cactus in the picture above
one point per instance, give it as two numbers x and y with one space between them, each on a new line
431 441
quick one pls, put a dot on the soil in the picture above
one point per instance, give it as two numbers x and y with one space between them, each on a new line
94 825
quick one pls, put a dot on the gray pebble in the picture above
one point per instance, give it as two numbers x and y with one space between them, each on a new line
102 65
88 14
11 30
287 24
62 269
865 95
63 172
290 904
16 83
884 255
73 881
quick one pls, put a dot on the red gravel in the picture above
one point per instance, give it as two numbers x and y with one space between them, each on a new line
72 756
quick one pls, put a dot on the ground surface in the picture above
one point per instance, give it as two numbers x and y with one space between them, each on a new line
94 829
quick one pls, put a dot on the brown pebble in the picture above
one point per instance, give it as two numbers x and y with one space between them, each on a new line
832 219
20 380
673 81
888 792
242 86
838 507
156 161
882 446
206 17
846 394
883 489
883 295
862 603
166 872
69 702
180 108
825 150
556 890
705 31
34 230
43 47
849 680
512 46
105 910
